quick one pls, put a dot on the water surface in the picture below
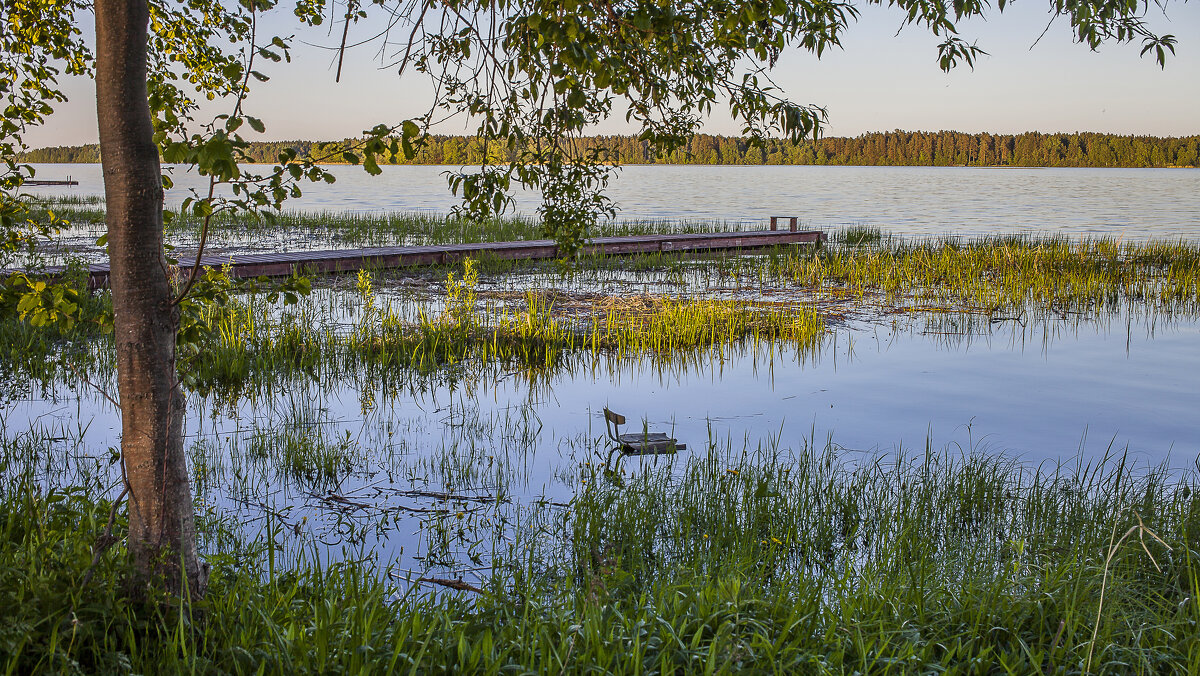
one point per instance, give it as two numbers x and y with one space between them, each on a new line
1134 204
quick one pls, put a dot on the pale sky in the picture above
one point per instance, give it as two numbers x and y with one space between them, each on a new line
880 81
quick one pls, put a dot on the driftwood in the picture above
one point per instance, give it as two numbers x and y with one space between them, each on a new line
457 585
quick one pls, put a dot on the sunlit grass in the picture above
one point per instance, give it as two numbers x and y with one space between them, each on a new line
1008 274
798 560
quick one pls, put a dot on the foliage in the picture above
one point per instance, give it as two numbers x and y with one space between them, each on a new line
38 43
534 75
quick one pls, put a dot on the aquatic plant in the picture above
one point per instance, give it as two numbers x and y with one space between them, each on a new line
797 559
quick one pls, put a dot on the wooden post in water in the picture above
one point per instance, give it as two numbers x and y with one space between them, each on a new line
793 222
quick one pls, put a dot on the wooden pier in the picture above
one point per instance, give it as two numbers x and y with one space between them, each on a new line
36 182
351 260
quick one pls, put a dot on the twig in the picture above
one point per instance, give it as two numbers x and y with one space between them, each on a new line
411 37
83 379
457 585
345 33
105 541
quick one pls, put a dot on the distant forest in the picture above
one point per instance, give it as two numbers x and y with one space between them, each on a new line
897 148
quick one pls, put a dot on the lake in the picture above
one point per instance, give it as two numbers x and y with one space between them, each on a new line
1042 391
1134 204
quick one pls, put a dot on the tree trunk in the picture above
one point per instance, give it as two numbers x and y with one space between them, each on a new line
162 533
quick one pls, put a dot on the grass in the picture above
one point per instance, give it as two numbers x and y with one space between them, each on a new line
530 332
1009 274
537 316
760 560
993 275
331 230
541 317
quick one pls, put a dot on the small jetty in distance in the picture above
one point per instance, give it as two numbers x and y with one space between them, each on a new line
38 181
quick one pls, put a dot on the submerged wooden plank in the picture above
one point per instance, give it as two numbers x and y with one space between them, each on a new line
283 264
649 443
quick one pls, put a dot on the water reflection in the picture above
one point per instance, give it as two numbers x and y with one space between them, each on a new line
434 470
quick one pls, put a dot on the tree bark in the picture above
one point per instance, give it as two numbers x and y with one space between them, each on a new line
162 533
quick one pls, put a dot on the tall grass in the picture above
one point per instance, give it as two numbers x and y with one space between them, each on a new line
529 334
325 229
1009 274
759 559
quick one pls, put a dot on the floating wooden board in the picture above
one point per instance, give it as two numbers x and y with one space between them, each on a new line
352 260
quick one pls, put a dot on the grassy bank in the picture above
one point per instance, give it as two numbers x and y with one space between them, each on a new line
759 561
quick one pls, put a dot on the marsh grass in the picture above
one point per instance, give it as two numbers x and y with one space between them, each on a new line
1010 274
530 333
1007 273
744 559
334 230
666 307
754 557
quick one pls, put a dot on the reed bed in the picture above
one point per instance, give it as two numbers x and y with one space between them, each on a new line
530 334
530 337
1007 274
327 229
743 559
534 315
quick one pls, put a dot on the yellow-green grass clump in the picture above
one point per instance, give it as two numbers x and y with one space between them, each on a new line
531 334
1009 274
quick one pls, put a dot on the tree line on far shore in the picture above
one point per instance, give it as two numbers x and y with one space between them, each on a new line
895 148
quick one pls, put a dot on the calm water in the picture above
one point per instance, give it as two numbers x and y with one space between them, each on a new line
1044 393
1134 204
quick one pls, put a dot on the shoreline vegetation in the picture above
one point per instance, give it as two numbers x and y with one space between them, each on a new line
765 555
541 316
782 560
895 148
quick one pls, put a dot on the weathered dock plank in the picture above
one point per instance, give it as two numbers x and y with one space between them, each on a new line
38 182
351 260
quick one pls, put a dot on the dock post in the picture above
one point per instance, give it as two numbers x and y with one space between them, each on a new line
793 223
774 222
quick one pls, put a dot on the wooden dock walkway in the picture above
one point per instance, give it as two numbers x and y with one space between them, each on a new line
39 182
352 260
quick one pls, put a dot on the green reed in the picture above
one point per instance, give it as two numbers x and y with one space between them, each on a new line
1007 274
531 333
697 304
737 559
357 229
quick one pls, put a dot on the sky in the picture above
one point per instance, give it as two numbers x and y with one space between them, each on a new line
879 81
